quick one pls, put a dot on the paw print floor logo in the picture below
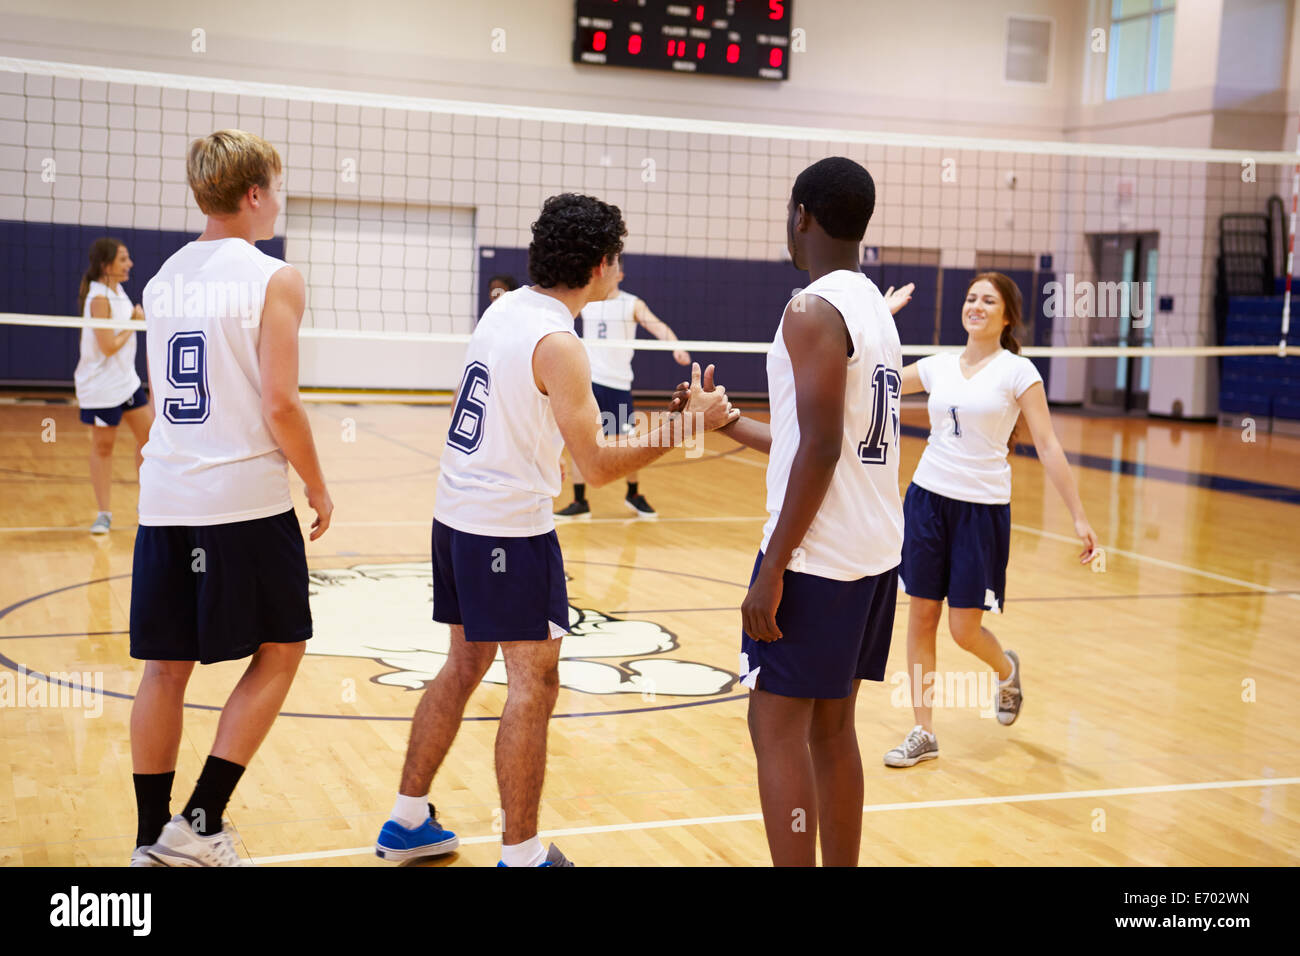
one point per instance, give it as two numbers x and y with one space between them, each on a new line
381 612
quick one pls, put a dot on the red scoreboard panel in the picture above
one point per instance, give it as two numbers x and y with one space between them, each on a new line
725 37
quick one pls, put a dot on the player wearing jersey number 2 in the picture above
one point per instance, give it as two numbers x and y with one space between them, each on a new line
610 320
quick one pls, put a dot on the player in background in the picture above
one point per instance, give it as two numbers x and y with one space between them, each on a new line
957 509
499 285
108 387
498 574
820 608
615 318
220 569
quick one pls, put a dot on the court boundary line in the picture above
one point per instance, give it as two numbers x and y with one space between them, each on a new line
869 808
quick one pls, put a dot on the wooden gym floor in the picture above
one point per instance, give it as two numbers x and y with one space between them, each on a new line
1161 722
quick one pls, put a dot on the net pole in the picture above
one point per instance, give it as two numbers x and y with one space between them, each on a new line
1290 252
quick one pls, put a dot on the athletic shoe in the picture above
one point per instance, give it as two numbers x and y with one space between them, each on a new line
101 525
919 745
576 511
398 844
553 858
140 857
179 845
1009 696
642 507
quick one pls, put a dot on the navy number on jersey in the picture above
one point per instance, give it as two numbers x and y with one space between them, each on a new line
601 330
187 369
886 386
466 431
956 422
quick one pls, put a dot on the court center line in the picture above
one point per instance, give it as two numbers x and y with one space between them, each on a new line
870 808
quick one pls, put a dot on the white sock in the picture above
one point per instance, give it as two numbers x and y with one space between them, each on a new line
1014 667
410 812
105 514
528 853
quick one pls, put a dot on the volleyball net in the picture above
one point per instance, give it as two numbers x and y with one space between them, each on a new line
399 210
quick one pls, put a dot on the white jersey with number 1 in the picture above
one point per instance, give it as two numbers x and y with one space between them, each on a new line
858 531
611 320
210 458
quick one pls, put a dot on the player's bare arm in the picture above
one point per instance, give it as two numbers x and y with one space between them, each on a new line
818 342
277 353
561 370
912 379
1033 406
109 341
659 329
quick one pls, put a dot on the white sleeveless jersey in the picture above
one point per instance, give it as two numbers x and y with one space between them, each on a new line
606 320
858 531
971 419
210 458
500 467
106 381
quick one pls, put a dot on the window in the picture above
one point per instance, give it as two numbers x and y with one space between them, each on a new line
1141 47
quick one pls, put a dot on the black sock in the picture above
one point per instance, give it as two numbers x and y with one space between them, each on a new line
579 492
153 802
211 794
631 489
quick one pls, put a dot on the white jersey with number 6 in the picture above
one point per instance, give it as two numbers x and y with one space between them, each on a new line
605 321
500 467
858 531
210 458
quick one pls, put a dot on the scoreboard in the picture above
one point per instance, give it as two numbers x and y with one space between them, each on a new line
748 38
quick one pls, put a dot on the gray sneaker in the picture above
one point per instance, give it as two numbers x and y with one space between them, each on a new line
919 745
101 525
1009 695
179 845
555 858
141 857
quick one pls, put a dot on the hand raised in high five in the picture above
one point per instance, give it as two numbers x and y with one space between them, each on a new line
712 404
895 299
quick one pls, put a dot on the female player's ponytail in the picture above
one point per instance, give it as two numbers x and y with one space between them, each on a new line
102 253
1011 311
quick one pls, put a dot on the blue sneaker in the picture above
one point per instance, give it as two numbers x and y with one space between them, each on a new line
553 858
398 844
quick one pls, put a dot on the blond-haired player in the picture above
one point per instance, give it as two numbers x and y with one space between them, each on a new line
220 568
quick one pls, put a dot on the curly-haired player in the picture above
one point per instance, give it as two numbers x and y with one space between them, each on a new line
498 575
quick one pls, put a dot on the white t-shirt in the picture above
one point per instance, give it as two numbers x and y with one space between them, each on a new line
500 467
106 381
858 531
210 458
610 319
970 422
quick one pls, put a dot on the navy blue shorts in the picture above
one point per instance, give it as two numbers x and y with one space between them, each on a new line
499 589
615 409
832 633
112 417
217 592
955 549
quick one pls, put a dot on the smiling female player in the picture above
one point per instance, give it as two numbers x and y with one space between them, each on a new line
957 513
